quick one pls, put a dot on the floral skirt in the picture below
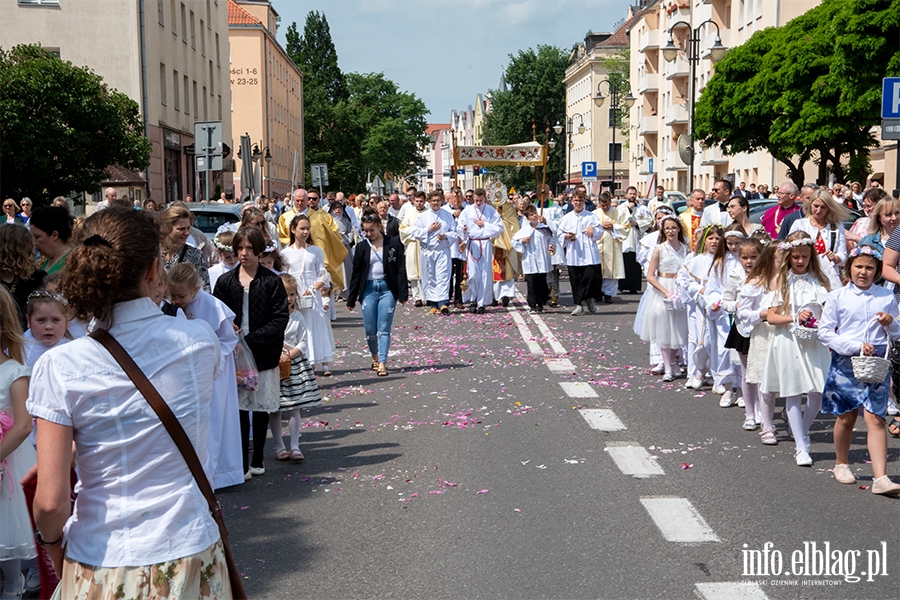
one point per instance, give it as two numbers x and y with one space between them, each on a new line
203 575
844 392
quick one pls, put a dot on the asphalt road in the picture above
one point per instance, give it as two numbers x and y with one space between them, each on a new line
472 472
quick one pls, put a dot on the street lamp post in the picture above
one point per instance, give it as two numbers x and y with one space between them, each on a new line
570 130
613 88
670 53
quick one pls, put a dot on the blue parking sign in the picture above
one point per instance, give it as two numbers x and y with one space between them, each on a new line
890 98
589 169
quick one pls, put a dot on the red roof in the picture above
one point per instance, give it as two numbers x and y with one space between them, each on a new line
432 127
239 16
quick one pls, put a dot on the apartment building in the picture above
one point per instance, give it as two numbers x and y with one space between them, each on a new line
166 55
662 112
267 99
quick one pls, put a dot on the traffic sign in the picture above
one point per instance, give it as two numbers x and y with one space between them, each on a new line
890 98
890 129
208 145
589 169
319 174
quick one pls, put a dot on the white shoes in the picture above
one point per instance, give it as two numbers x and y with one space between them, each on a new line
719 389
885 486
658 370
577 312
750 425
694 383
842 474
725 402
740 402
668 377
804 459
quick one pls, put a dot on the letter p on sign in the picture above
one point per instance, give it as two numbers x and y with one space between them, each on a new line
890 98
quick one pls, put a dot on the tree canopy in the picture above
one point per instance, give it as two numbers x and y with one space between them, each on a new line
357 124
61 127
535 94
806 91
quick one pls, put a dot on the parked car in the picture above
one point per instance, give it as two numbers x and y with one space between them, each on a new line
211 216
681 205
759 208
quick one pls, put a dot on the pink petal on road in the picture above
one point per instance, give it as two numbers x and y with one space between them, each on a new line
482 492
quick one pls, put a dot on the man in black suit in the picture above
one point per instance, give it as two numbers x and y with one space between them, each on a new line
391 223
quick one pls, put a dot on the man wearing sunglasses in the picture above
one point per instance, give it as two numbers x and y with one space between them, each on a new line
717 212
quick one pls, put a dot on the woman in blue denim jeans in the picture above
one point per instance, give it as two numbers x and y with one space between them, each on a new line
379 281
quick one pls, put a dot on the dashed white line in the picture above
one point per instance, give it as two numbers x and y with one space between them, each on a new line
730 591
560 365
533 346
633 460
542 327
578 389
602 419
678 520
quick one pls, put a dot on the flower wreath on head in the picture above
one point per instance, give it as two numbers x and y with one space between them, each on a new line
796 243
232 227
270 248
866 251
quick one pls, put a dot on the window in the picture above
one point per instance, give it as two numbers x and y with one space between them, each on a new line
162 84
40 2
212 82
183 23
208 14
196 113
217 51
174 19
202 39
617 148
176 97
612 117
162 13
205 98
220 107
187 97
193 34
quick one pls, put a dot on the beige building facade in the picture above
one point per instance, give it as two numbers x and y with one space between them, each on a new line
588 129
662 112
267 99
170 56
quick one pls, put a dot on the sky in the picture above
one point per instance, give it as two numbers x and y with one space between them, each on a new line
447 51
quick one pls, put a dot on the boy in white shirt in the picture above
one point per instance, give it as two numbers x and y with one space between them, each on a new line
534 242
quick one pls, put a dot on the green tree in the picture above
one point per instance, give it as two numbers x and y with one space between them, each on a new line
617 68
61 127
788 91
535 95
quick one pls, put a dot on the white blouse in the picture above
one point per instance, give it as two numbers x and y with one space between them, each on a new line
295 333
138 503
848 318
536 253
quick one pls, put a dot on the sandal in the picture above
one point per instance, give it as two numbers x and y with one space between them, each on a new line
374 364
282 455
768 438
296 456
382 370
894 427
326 373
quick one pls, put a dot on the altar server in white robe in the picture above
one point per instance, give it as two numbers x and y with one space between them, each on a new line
478 224
579 230
224 462
551 213
435 231
534 241
616 229
413 257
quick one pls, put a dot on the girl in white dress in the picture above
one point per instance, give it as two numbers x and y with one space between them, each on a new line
224 462
227 258
797 366
16 455
307 264
664 319
645 248
824 223
725 376
691 281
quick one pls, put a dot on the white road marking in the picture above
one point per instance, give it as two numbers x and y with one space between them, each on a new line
578 389
602 419
542 327
533 346
560 365
678 520
634 460
730 591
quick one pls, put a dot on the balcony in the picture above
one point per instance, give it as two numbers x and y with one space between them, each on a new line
674 162
680 67
649 125
648 82
712 156
676 114
649 40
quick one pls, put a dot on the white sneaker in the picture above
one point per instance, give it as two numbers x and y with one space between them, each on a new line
885 486
694 383
843 474
803 459
740 402
257 471
725 402
668 377
718 389
577 312
750 425
658 370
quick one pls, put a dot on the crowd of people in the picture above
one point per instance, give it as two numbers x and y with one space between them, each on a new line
782 309
232 329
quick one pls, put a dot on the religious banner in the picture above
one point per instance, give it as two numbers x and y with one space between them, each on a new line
528 154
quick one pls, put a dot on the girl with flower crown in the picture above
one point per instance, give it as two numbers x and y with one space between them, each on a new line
797 365
859 318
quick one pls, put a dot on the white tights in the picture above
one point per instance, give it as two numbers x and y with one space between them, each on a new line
802 420
668 357
275 424
749 390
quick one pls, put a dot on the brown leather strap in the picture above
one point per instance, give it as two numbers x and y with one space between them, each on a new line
176 431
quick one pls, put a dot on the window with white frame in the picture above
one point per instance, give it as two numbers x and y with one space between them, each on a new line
615 152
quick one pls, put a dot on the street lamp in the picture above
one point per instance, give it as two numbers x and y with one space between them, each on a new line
716 53
613 87
570 122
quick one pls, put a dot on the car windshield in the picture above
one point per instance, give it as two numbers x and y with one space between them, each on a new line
209 222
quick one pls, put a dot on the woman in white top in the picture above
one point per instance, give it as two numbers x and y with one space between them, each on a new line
824 223
306 263
139 510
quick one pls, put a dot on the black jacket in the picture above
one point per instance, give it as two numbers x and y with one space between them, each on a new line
394 270
268 312
392 226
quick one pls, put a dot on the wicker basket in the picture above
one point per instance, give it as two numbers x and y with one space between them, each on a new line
284 365
306 302
871 369
806 333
